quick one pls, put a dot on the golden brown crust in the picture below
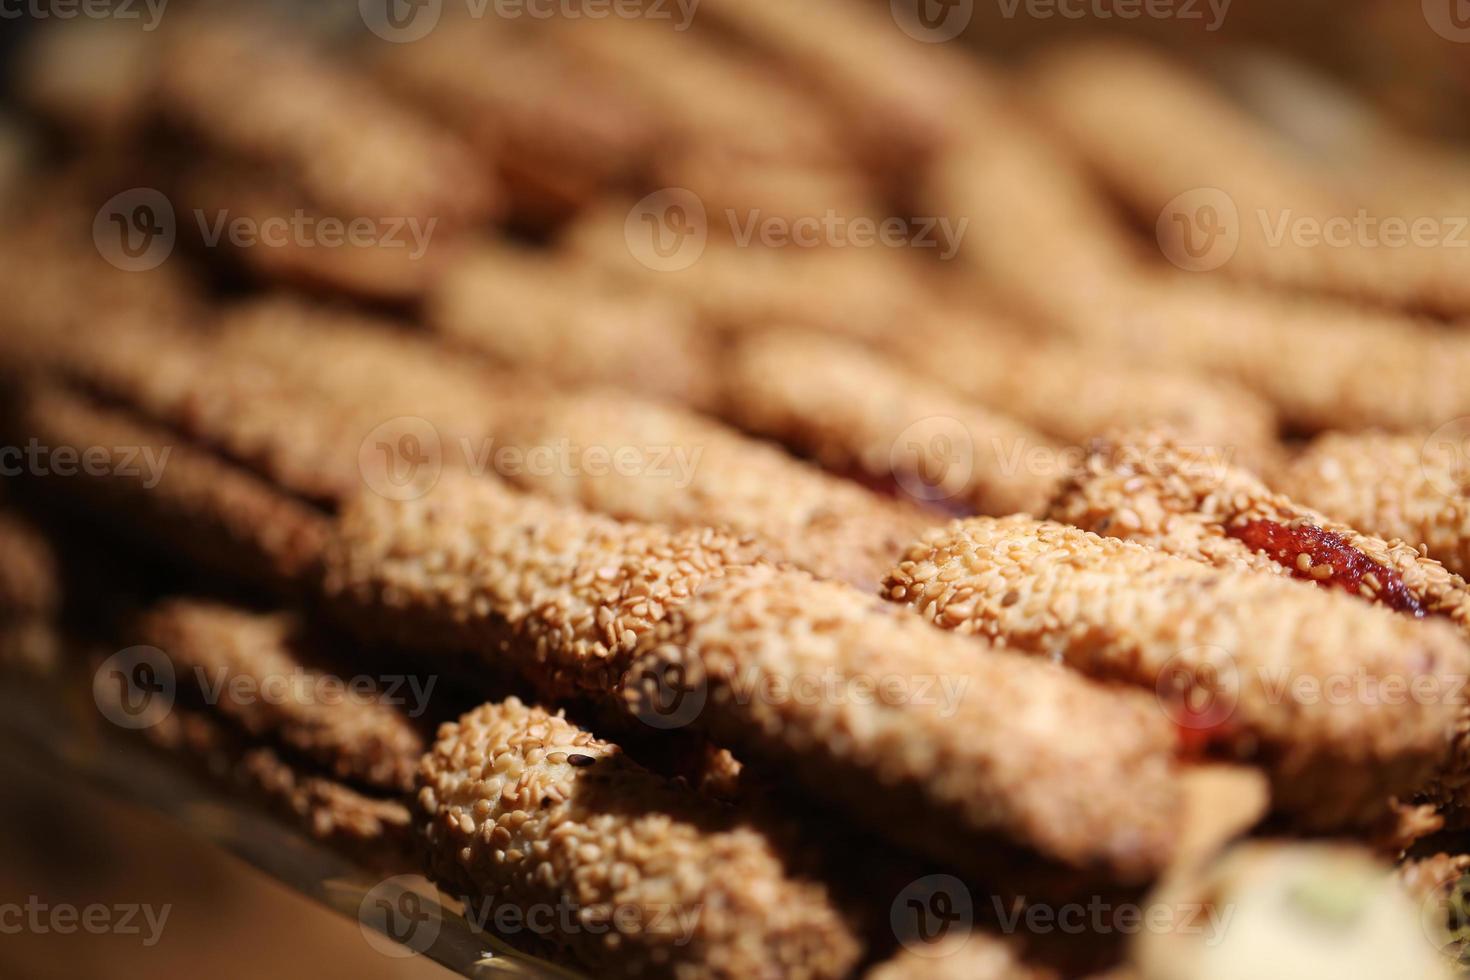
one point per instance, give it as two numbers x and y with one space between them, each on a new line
690 472
856 413
517 806
957 755
1395 486
173 496
254 670
549 590
1119 610
1189 501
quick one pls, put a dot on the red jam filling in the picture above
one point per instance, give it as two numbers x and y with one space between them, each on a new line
1325 558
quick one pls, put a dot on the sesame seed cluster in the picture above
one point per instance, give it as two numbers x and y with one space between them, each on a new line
519 806
963 735
1119 610
559 594
1394 486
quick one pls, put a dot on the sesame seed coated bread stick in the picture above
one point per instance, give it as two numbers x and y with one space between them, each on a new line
554 592
374 830
268 97
202 509
1075 393
854 412
1409 487
519 807
353 734
637 460
557 132
1119 610
957 755
1322 364
864 293
1147 487
538 313
1124 108
905 112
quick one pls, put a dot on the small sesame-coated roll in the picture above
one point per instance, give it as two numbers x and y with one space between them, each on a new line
168 494
1013 770
856 413
635 875
538 313
1396 486
556 593
1273 665
1190 501
638 460
351 732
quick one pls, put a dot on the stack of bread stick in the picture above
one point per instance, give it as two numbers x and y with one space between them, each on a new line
746 489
